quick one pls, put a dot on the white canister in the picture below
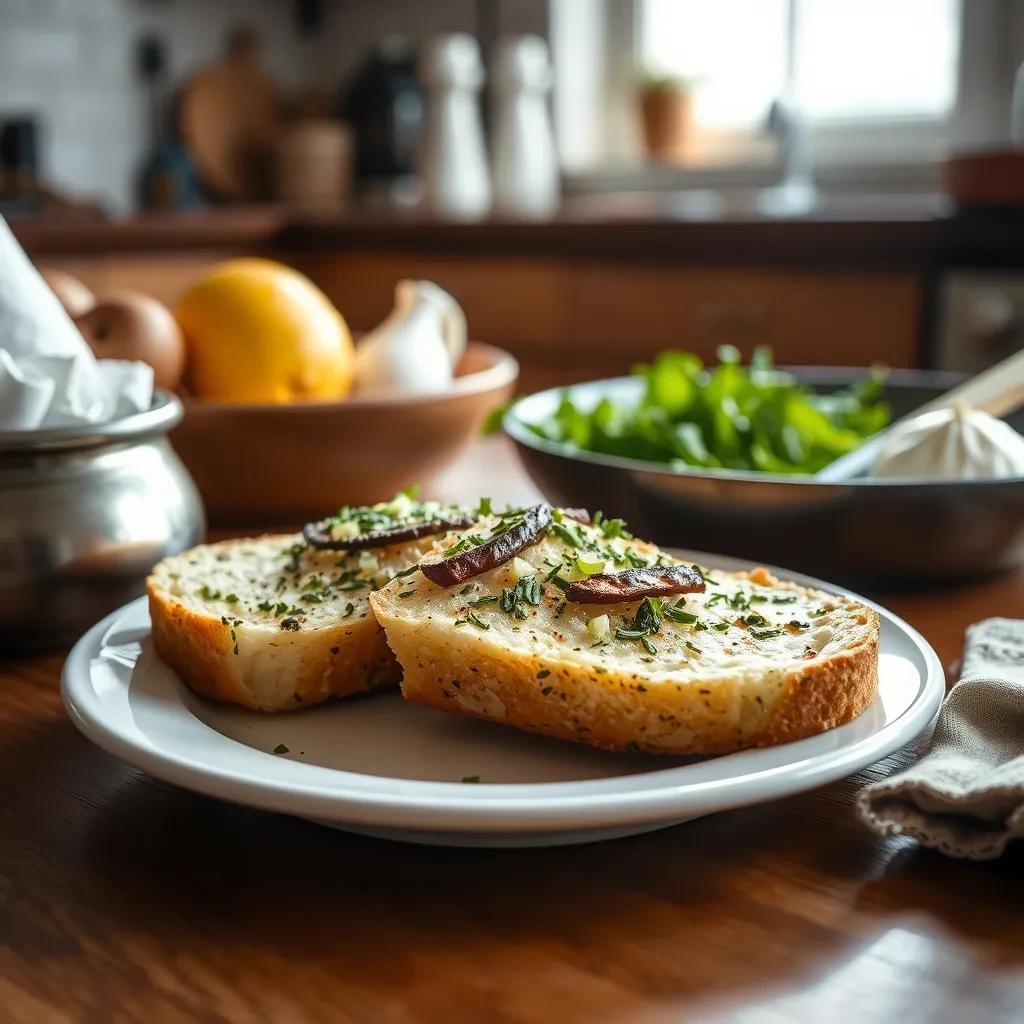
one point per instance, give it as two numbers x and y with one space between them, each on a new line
456 182
525 161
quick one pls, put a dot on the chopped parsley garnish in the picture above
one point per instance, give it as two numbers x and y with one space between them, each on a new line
754 619
693 647
472 619
484 508
612 528
677 614
566 534
477 601
209 595
765 634
646 622
294 554
290 624
720 626
459 546
349 609
514 599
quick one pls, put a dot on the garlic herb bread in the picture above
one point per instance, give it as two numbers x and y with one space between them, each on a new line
276 623
578 630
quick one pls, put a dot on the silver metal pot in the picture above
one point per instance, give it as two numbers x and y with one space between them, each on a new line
85 512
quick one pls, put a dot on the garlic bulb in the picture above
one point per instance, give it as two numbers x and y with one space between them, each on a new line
416 349
957 443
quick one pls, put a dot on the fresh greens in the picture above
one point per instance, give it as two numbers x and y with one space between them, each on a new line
725 417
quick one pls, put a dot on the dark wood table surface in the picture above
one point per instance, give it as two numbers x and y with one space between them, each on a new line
126 899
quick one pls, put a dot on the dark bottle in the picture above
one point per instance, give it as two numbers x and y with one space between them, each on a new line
19 168
384 106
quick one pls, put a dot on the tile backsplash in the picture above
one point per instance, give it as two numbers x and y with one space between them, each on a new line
71 64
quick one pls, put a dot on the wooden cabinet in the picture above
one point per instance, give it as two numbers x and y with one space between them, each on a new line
570 320
570 310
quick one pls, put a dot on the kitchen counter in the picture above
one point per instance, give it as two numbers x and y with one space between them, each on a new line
124 897
701 231
877 232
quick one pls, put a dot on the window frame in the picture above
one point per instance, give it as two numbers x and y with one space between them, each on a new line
885 152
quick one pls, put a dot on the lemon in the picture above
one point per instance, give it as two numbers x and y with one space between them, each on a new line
258 331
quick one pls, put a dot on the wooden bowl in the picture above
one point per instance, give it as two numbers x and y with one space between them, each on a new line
283 462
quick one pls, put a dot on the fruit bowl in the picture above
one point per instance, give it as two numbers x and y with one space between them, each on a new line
282 462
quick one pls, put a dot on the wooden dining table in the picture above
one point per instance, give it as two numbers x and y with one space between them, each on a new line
124 898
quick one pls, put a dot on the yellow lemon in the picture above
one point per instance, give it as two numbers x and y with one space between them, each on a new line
258 331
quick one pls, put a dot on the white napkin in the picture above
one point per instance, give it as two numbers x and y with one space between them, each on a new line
965 797
48 374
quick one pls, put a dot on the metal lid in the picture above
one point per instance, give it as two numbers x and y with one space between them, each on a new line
164 414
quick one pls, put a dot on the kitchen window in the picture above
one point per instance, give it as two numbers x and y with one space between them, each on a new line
876 84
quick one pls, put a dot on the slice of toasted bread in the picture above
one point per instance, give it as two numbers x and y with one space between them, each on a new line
754 662
272 624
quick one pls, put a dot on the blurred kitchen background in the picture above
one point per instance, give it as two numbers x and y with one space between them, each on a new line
594 180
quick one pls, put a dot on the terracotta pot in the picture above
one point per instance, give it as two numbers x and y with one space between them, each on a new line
991 178
667 116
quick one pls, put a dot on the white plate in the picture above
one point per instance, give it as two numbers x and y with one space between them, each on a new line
379 766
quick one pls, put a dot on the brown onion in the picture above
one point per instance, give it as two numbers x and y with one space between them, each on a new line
318 534
492 553
632 584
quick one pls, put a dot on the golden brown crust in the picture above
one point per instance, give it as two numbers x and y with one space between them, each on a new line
236 650
459 670
350 658
332 662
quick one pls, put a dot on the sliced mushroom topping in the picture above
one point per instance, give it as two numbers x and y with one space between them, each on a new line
633 584
318 535
493 552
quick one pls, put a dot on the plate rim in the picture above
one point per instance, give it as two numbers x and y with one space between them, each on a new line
496 807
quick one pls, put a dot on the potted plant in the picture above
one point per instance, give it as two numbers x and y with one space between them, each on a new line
666 112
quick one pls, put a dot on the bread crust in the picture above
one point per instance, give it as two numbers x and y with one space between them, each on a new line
230 654
465 671
330 663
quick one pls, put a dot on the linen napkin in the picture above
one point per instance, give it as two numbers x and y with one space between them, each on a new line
965 797
48 374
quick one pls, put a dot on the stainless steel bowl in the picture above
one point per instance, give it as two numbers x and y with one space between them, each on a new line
862 532
84 514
